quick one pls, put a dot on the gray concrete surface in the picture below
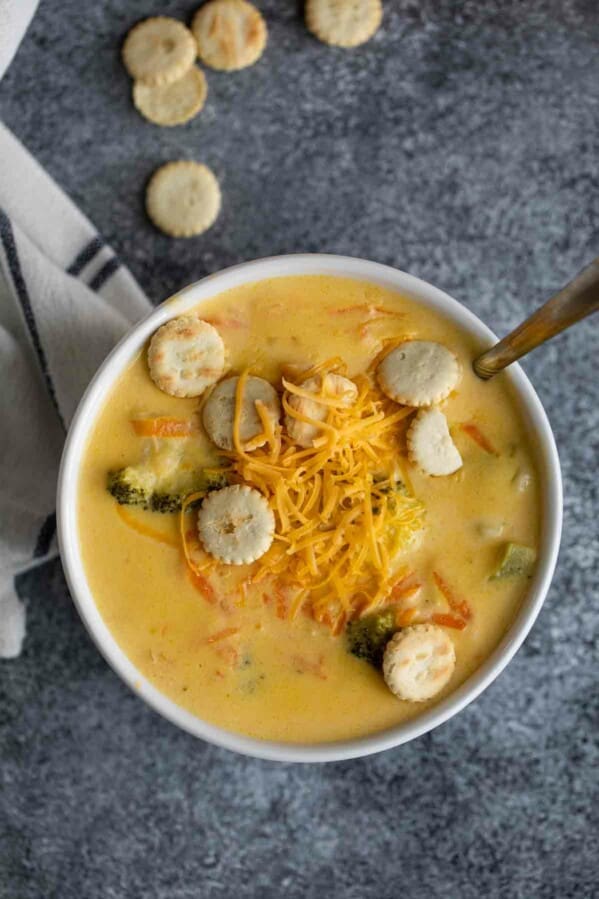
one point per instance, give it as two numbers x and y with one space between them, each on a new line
462 144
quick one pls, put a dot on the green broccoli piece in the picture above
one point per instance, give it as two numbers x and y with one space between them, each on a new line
169 497
516 560
368 636
131 486
140 485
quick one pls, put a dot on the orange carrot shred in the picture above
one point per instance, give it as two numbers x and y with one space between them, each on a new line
281 609
449 621
403 584
406 617
305 666
479 438
202 584
221 322
455 603
162 427
222 635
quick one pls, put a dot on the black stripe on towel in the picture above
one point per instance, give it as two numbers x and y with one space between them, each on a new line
107 270
45 536
85 256
10 248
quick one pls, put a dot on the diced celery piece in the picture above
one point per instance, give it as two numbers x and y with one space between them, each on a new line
516 560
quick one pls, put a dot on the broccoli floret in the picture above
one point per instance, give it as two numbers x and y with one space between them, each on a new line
368 636
131 486
170 498
140 485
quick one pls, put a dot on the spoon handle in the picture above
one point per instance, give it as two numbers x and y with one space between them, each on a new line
573 302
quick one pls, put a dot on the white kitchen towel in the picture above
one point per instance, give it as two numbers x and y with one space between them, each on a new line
65 299
15 16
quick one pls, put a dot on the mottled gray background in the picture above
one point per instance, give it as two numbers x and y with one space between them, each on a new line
462 144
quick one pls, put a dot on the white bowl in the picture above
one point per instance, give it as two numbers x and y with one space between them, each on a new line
97 392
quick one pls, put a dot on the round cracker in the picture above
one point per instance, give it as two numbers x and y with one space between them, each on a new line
236 524
219 411
172 104
419 662
230 34
430 445
418 373
343 23
159 50
183 198
186 355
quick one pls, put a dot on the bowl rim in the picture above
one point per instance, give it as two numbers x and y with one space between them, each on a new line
97 391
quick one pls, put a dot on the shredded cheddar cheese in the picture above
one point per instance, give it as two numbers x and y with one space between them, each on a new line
341 522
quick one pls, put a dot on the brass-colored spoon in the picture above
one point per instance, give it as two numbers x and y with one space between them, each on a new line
573 302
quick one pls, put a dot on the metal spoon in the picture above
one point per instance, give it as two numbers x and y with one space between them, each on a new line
572 303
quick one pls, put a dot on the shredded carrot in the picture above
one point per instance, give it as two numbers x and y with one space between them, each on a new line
404 583
163 427
222 635
446 620
477 435
405 617
455 603
133 522
202 584
305 666
281 608
222 322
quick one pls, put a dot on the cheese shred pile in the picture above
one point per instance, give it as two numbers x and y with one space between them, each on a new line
342 510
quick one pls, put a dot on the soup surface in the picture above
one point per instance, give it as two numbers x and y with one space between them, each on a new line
224 645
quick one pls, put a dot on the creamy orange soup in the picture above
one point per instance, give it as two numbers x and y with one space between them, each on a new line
219 644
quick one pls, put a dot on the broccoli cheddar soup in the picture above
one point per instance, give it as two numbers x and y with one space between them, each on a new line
302 516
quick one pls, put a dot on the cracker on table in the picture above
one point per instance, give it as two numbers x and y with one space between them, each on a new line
159 50
172 104
230 34
183 198
343 23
